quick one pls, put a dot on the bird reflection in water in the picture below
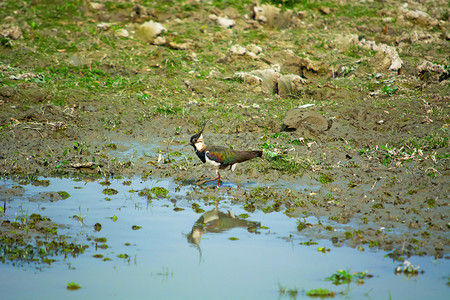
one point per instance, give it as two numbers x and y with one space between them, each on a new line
217 221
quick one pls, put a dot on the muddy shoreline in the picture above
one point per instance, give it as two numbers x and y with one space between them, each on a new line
382 166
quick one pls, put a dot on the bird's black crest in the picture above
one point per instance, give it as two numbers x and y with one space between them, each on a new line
195 137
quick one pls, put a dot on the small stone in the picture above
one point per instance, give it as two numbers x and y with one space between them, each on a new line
97 6
325 10
254 48
222 22
238 50
122 33
103 26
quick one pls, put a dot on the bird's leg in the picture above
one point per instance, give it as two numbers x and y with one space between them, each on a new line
216 178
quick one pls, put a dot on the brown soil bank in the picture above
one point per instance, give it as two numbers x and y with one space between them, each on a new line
97 87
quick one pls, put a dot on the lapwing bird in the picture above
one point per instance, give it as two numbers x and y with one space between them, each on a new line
219 157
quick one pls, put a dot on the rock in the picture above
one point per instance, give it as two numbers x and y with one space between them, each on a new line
427 66
149 30
160 40
303 66
237 50
429 71
103 26
251 51
272 16
419 17
248 78
290 85
179 46
395 62
273 81
10 31
254 48
97 6
325 10
222 22
345 41
298 118
122 33
269 77
7 92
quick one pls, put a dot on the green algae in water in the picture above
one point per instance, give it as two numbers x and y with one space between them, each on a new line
97 227
72 286
110 192
136 227
64 194
268 209
103 246
100 240
344 277
159 191
321 293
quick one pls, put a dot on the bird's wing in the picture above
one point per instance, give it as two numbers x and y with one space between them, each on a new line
222 155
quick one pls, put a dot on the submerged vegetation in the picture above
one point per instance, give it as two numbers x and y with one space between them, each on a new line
40 245
345 277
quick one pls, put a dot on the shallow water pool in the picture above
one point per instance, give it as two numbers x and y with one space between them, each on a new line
183 247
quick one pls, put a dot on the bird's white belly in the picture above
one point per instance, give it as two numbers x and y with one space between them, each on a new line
212 162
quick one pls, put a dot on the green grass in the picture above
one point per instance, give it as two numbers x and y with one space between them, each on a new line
435 140
283 163
325 178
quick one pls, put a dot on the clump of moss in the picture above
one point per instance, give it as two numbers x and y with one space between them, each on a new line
72 286
110 192
325 178
159 192
64 194
321 293
100 240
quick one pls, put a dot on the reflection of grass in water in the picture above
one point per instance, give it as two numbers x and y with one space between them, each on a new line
165 273
291 292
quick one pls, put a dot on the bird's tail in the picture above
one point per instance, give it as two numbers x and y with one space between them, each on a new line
246 155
